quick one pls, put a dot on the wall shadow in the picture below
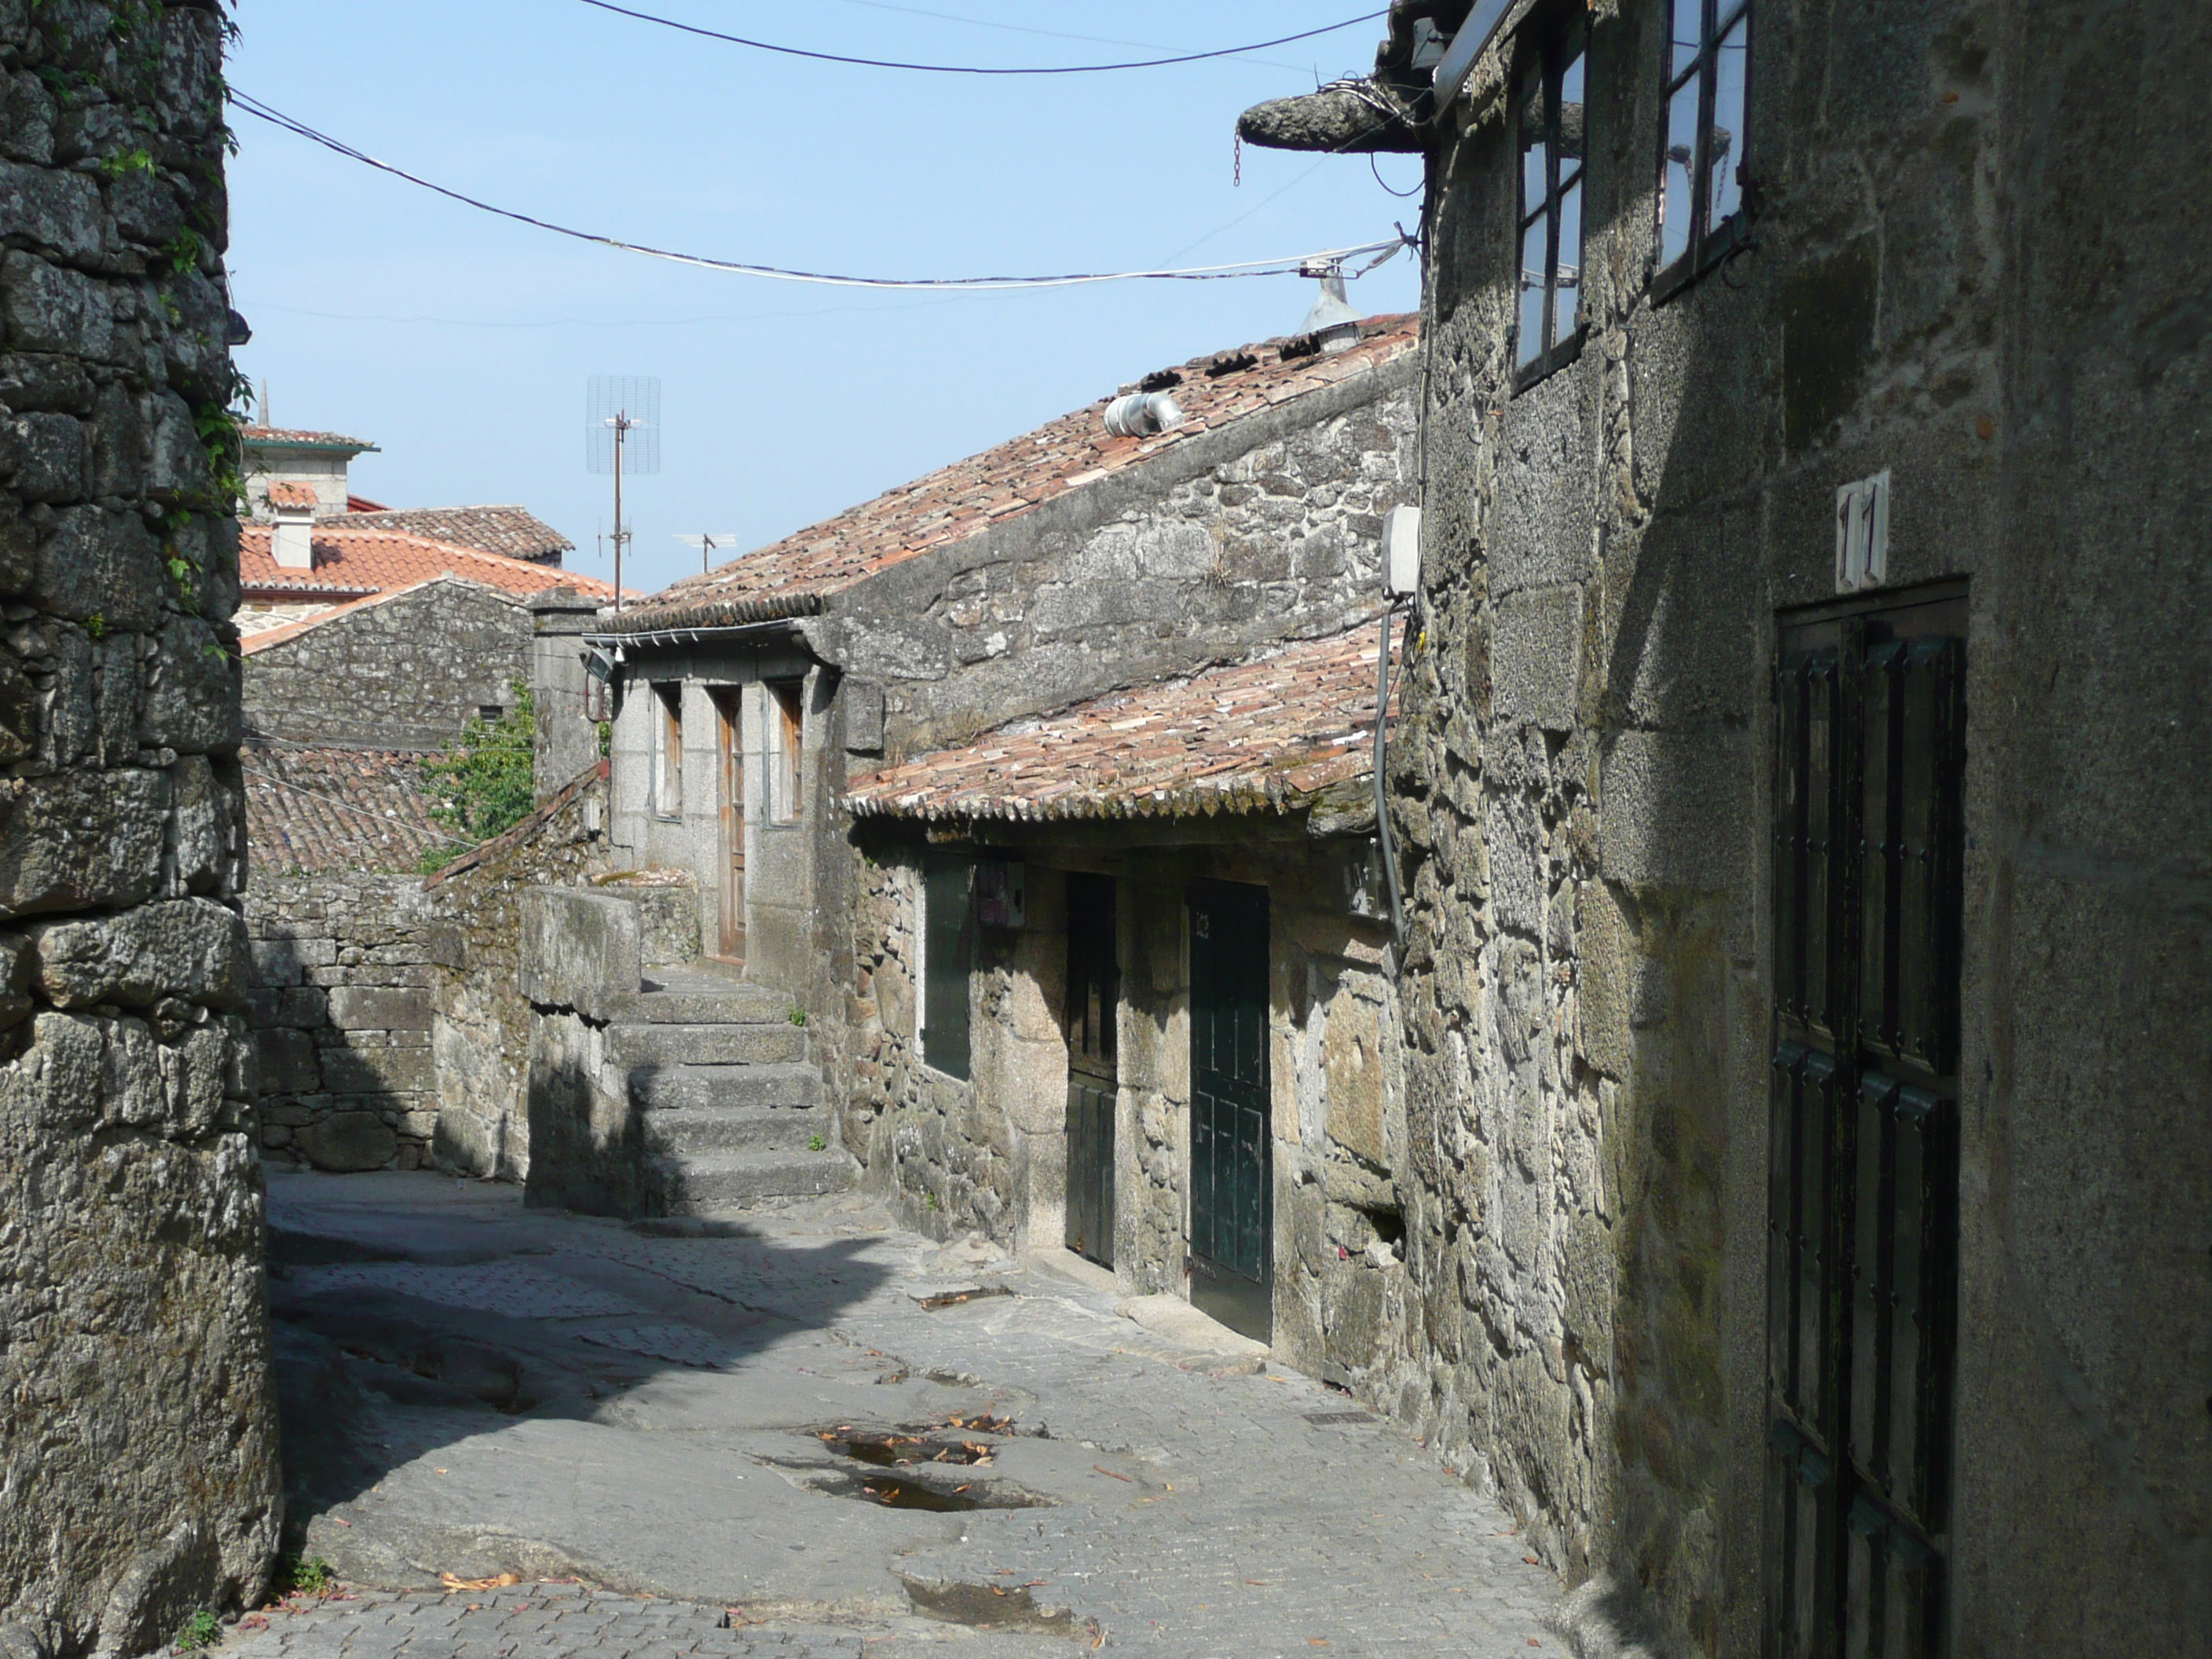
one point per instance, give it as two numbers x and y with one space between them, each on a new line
413 1312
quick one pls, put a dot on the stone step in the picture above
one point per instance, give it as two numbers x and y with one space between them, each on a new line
737 1005
711 1088
632 1045
736 1181
696 1132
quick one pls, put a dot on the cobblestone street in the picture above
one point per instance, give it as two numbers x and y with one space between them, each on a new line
770 1441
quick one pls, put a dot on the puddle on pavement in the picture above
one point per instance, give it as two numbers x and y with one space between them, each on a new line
888 1450
903 1455
944 1299
899 1492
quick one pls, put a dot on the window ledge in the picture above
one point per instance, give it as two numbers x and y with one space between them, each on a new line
1723 245
1560 356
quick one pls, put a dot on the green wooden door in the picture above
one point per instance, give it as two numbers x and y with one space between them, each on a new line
1093 999
1231 1173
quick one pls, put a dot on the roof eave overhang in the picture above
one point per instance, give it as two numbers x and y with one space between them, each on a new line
647 626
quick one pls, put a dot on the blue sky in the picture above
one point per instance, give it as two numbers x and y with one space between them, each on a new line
461 345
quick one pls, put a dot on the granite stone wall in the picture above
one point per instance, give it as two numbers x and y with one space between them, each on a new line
343 970
387 1012
405 673
1968 234
1270 528
989 1154
138 1456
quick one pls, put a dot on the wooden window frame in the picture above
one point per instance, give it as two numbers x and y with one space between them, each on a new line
1553 39
784 713
668 750
1707 245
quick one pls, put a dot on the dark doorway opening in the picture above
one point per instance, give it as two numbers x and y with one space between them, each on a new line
1093 994
1863 1203
1231 1169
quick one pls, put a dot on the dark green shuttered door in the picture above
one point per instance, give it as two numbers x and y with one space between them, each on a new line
1093 997
1863 1186
1231 1177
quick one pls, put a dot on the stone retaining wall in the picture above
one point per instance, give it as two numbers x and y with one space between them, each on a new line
387 1008
138 1453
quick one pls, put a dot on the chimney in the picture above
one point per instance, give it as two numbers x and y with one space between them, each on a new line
291 543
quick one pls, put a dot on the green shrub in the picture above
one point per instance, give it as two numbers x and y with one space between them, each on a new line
484 781
202 1630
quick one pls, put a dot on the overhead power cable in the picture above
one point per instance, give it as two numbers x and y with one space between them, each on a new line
1282 267
972 69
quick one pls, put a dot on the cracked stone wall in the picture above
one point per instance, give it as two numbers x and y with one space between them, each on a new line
137 1433
1977 236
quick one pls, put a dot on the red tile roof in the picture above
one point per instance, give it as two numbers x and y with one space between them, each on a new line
285 437
1264 734
790 577
513 532
286 492
352 563
336 809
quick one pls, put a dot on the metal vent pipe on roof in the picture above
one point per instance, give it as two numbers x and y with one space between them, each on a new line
1333 322
1141 414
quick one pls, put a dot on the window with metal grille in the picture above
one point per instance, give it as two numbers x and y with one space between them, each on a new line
667 752
1863 1180
1549 107
1701 175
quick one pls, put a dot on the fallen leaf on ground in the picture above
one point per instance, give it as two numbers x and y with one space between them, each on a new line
498 1581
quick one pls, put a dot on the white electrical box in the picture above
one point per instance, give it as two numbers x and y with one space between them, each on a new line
1402 553
1863 533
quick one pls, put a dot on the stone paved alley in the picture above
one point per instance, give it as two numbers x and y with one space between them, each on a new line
681 1444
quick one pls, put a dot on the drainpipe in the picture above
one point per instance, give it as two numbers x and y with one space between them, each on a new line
1382 791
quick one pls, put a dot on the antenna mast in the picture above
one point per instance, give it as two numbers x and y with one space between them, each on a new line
622 433
708 545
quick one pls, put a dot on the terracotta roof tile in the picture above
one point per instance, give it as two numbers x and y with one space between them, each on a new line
790 577
352 562
1265 734
286 437
336 809
513 532
286 492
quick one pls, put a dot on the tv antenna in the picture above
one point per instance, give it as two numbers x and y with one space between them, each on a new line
622 433
709 546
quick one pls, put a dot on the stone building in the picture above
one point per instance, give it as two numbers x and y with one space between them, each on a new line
1222 518
1119 985
377 998
314 469
318 463
1798 781
138 1456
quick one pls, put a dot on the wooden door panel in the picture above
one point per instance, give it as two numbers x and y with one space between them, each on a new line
1093 1000
1232 1165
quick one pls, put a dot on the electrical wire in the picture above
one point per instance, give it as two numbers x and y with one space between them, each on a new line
971 69
1280 267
